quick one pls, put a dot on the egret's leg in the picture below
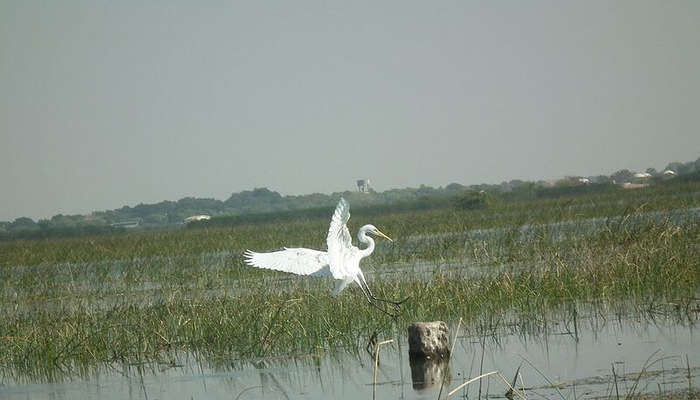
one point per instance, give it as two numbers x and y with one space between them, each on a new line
365 292
370 297
373 297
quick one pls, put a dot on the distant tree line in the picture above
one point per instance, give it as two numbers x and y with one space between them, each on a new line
262 204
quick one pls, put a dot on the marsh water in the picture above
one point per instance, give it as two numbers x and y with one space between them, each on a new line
596 351
650 352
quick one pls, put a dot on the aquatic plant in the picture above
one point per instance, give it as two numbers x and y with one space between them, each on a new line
71 304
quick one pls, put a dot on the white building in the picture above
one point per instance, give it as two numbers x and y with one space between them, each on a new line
130 223
197 218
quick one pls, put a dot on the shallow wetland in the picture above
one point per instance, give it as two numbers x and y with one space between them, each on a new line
651 351
587 297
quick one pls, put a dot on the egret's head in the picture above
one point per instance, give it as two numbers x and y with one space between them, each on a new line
371 229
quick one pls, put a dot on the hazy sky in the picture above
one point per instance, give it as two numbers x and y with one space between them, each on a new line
112 103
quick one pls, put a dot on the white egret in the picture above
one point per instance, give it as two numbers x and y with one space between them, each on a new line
341 261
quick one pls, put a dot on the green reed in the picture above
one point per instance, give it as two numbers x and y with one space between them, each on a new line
62 320
310 232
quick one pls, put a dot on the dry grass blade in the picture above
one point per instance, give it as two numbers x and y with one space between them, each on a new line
511 387
545 377
458 388
452 349
376 366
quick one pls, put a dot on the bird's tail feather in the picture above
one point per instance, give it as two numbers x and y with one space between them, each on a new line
339 287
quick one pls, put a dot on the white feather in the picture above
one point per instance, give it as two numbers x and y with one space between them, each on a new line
298 261
339 241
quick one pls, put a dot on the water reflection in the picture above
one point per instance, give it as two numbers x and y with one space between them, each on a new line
429 373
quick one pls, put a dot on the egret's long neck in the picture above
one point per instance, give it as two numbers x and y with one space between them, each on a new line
368 241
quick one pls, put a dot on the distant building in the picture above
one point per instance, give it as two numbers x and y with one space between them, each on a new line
130 223
630 185
642 175
569 181
669 172
197 218
363 185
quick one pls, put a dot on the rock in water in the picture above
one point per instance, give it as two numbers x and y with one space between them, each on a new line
428 340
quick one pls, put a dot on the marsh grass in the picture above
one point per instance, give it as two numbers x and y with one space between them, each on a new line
70 305
654 266
310 232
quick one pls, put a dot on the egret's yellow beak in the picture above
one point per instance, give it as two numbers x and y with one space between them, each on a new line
379 233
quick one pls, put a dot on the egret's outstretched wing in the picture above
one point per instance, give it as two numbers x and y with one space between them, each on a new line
298 261
339 240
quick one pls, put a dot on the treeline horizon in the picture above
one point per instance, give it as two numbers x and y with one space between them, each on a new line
261 204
